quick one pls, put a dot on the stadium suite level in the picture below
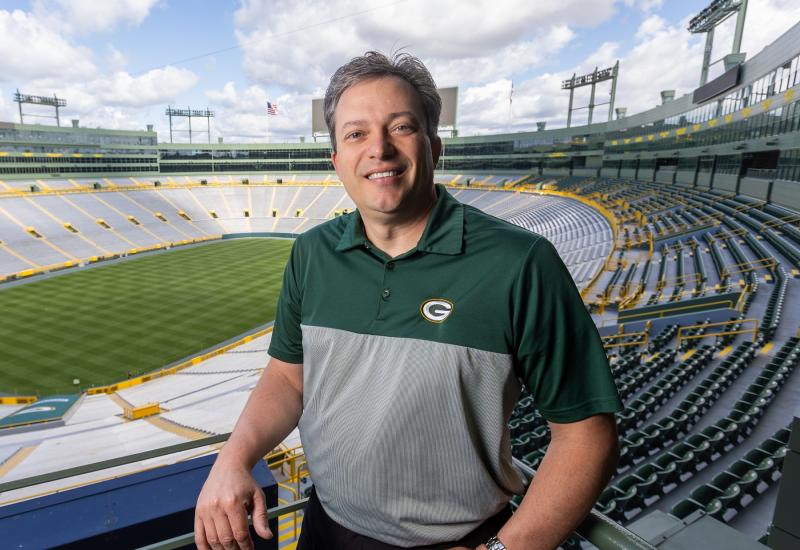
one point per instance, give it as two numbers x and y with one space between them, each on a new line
745 140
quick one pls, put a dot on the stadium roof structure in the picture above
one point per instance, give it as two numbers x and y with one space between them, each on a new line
714 14
711 17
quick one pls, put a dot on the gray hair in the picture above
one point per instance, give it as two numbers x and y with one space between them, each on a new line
376 65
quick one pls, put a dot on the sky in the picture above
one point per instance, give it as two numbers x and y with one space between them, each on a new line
120 63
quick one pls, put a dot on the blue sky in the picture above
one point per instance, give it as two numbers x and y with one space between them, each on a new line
119 63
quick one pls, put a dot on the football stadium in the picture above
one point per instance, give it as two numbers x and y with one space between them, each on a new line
139 279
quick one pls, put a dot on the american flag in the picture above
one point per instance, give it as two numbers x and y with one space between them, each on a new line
272 109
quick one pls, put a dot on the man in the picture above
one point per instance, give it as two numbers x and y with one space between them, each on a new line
402 333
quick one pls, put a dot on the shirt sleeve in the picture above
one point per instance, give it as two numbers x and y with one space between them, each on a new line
560 355
287 336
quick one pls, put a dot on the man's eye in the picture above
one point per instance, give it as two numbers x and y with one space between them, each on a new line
354 135
403 128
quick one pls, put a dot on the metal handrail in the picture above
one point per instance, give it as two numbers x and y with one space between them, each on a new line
111 463
188 538
596 528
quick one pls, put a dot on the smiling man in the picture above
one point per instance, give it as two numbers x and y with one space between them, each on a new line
404 332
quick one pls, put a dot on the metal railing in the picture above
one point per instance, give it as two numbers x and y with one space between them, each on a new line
597 528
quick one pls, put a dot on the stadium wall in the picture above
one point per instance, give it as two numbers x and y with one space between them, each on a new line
755 187
786 193
725 182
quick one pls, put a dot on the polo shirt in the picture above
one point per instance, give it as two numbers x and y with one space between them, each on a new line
412 366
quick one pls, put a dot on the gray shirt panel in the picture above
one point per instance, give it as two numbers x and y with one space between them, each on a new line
407 440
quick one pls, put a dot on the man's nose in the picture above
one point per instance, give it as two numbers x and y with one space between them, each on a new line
381 145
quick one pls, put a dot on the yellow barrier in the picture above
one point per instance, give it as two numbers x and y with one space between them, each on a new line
746 267
771 224
293 464
167 185
179 367
754 330
142 411
678 281
727 234
17 399
745 207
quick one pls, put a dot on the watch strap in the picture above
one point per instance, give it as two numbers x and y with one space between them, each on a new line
494 544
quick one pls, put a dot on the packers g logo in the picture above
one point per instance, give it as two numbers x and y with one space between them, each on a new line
436 310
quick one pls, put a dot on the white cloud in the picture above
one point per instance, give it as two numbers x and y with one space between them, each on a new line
482 48
241 115
651 27
646 6
30 50
116 59
491 39
39 54
154 86
116 101
504 62
91 16
226 97
485 109
664 57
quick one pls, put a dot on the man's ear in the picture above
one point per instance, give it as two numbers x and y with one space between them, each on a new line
333 160
436 149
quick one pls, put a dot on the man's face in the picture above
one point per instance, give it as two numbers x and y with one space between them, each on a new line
383 155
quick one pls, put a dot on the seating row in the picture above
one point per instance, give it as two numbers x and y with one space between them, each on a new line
730 491
629 496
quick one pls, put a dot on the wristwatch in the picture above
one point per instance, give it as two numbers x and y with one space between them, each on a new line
494 544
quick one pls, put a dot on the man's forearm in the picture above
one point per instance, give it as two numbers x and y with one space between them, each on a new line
270 414
576 467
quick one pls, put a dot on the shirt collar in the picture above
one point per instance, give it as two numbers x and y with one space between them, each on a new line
444 232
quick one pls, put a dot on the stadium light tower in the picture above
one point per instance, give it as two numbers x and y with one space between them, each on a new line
189 113
710 18
54 101
592 79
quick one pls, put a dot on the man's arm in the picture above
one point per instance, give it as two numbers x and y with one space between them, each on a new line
271 413
579 462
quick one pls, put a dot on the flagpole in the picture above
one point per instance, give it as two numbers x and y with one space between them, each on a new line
511 108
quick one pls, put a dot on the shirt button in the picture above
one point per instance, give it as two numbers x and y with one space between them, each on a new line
386 293
390 266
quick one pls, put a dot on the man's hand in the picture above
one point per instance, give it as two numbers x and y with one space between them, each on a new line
220 520
230 492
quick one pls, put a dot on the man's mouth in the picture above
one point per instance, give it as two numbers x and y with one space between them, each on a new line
387 174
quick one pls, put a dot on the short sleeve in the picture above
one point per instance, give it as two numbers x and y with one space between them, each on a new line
559 352
287 336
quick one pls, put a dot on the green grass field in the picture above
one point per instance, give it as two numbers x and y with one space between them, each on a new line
135 316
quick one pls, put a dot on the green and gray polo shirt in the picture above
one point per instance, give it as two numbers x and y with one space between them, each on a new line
412 366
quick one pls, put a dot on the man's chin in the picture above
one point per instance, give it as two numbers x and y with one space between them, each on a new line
385 209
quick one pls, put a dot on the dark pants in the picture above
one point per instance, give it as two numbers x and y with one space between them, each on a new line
320 532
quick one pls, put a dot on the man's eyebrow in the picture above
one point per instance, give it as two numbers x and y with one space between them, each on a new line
354 123
409 114
391 116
